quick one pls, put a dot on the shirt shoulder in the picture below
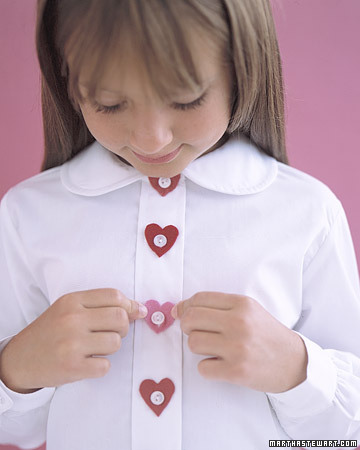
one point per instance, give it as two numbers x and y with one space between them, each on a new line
36 183
42 189
299 188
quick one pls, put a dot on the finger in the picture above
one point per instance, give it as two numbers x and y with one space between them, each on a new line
102 343
98 298
110 318
216 300
213 369
205 343
203 319
94 367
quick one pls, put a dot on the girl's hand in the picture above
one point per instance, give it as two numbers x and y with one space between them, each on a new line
248 345
57 347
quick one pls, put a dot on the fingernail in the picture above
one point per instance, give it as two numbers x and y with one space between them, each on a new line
174 312
143 310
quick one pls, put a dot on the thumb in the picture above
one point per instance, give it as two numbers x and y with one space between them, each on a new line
140 312
135 309
179 309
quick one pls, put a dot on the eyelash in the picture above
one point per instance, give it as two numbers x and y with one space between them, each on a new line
192 105
107 109
178 106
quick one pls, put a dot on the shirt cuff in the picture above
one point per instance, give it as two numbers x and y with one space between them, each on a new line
5 341
313 395
16 401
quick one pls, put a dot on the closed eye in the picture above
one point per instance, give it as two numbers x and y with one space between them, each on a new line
178 106
109 109
192 105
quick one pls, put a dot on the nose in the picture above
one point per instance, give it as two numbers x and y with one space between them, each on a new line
150 132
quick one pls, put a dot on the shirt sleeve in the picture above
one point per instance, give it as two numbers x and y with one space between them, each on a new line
327 404
23 417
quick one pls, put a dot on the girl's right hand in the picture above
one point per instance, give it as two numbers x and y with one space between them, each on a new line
58 346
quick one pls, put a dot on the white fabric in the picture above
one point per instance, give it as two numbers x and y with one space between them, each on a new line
248 225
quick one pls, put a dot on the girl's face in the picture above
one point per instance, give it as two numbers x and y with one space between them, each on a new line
159 138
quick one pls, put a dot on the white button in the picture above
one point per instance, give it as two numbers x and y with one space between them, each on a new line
157 398
157 318
164 182
160 240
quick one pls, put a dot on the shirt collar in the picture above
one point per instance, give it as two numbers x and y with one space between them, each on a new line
238 168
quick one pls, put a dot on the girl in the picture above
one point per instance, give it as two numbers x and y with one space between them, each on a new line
169 281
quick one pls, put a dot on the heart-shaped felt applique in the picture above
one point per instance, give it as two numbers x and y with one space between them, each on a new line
159 316
164 185
161 240
157 395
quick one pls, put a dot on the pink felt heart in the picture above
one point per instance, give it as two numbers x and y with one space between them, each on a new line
159 317
153 231
157 395
164 190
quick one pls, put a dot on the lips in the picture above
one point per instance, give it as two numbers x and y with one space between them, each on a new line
161 159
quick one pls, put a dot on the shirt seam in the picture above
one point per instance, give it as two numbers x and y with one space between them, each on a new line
332 226
25 255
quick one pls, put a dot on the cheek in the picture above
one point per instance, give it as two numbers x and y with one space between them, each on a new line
216 114
105 129
91 120
206 123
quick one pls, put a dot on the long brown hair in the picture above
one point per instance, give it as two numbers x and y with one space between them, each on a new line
92 30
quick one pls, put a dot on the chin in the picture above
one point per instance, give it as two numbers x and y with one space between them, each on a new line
160 170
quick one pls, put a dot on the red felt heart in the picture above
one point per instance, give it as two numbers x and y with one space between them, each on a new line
166 387
164 190
154 307
170 232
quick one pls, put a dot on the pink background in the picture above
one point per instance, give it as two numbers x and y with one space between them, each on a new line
319 43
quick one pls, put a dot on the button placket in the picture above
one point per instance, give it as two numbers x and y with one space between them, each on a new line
158 338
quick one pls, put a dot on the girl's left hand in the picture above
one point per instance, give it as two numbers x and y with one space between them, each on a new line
248 345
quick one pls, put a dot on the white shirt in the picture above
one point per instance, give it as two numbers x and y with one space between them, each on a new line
246 224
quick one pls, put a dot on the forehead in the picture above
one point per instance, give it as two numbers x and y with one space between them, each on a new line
126 70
